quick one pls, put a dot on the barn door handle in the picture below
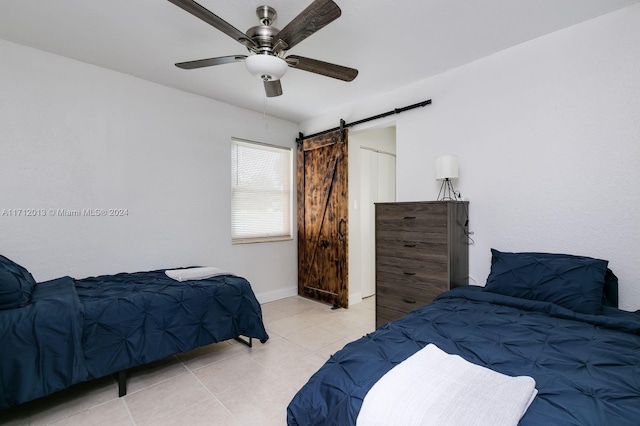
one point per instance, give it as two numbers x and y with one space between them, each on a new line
409 273
409 245
408 301
408 217
340 231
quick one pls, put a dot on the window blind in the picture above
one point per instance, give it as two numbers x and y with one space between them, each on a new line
261 192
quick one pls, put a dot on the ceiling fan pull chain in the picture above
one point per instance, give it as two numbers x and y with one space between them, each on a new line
264 112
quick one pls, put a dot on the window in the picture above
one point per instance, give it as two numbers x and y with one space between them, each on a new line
260 192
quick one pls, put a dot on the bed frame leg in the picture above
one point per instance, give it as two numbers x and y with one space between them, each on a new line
121 376
241 340
122 383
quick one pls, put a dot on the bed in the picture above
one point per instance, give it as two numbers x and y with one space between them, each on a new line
56 333
550 317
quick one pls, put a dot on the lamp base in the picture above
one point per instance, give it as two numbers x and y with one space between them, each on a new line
447 193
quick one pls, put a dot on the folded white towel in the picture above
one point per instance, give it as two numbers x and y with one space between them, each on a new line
434 388
200 273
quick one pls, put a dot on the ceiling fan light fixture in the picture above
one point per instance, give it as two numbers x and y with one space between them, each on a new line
266 67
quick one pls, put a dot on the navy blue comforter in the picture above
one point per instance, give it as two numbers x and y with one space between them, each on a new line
40 344
76 330
586 367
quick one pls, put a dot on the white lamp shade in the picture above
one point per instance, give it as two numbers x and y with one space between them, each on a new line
266 67
447 167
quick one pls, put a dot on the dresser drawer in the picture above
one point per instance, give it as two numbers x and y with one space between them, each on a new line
409 217
415 269
393 302
425 236
405 297
385 315
417 250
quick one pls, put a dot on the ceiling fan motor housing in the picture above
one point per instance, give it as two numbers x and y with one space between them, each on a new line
263 36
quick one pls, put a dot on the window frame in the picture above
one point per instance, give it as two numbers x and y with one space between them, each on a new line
287 234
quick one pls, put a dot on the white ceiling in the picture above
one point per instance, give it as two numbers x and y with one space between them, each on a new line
391 43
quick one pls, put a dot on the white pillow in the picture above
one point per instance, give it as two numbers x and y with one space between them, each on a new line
200 273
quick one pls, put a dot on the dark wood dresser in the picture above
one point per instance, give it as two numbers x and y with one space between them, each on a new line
422 250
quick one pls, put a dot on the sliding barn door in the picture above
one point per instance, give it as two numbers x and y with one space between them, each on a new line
322 218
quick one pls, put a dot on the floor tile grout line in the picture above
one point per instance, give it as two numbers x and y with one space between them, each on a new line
164 381
156 383
65 417
69 415
126 407
192 370
213 395
187 371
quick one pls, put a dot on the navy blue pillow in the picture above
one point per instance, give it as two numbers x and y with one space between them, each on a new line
16 285
573 282
610 291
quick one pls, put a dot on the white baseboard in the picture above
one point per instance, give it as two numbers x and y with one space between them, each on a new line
283 293
355 298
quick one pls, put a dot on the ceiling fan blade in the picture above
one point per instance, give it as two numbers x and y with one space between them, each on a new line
322 68
210 18
273 88
201 63
315 17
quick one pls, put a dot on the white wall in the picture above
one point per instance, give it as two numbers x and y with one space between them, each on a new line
75 136
547 137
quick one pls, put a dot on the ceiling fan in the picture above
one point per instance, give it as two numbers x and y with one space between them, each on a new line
267 45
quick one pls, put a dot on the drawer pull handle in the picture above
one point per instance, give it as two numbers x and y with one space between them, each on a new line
409 245
408 217
409 273
408 301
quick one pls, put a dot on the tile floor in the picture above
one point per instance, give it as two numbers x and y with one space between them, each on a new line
221 384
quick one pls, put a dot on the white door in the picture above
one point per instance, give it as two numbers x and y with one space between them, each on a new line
386 177
377 184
